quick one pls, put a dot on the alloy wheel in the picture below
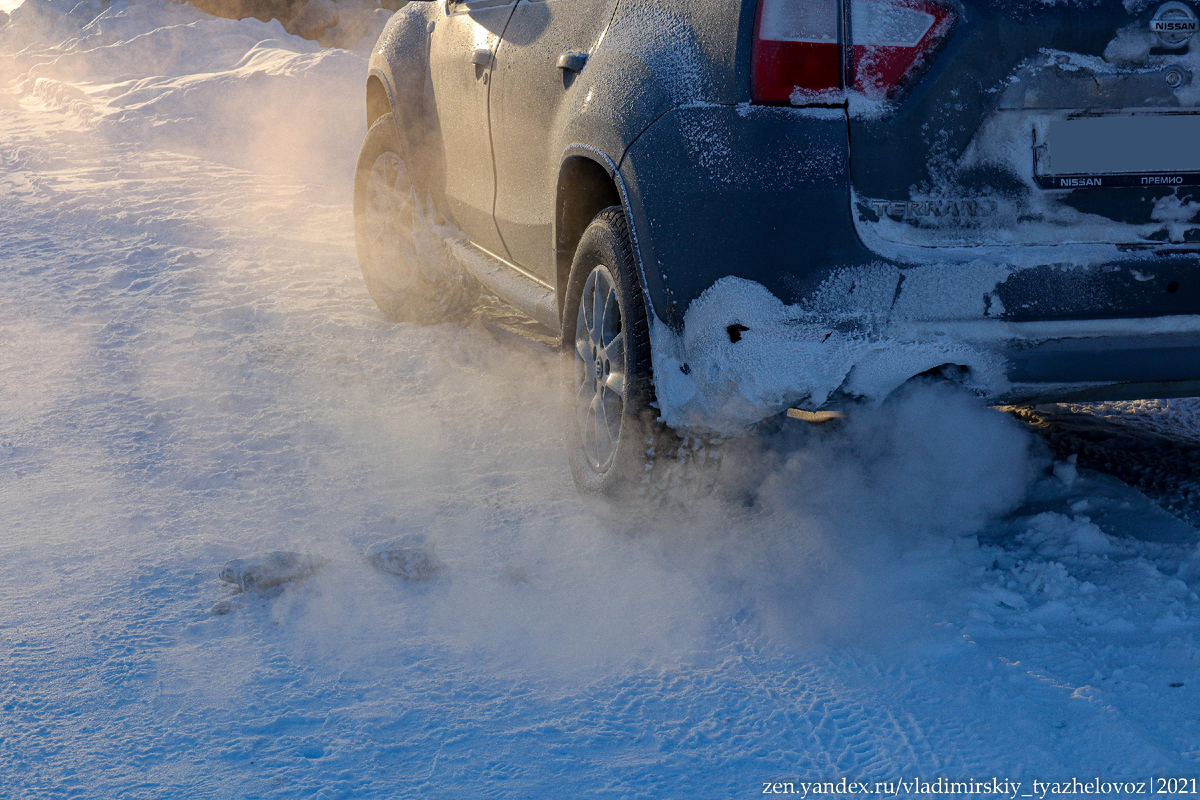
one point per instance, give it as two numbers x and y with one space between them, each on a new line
600 386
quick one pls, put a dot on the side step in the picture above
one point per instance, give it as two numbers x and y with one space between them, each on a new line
510 283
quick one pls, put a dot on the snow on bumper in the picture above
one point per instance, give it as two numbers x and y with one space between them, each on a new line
744 355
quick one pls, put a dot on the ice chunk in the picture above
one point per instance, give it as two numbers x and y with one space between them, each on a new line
270 569
1007 598
411 557
1067 471
1167 622
1056 535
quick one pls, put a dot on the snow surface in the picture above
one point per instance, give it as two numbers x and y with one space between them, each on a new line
191 372
242 92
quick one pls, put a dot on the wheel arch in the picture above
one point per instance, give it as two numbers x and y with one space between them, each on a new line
588 182
585 188
379 96
397 81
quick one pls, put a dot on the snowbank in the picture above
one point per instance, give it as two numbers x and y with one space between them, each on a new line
162 74
333 23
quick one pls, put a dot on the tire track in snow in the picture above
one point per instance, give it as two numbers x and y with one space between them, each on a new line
1163 467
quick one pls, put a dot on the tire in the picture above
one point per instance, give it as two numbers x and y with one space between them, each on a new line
405 263
617 447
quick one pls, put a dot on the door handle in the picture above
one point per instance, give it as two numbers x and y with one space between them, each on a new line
572 61
482 57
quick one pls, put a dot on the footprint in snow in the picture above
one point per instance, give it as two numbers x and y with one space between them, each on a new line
266 570
412 557
263 572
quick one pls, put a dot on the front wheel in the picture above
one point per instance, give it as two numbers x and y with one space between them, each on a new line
617 447
405 263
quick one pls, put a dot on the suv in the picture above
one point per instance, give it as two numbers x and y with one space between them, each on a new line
731 208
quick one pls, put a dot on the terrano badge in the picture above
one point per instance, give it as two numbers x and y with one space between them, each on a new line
1175 24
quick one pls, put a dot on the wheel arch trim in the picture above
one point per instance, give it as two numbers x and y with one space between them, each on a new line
374 73
610 166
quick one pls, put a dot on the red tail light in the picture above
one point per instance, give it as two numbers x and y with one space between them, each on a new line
892 39
796 55
797 58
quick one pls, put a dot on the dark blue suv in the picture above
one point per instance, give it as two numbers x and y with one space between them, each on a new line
731 208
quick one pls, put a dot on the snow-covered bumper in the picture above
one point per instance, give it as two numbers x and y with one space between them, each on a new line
744 355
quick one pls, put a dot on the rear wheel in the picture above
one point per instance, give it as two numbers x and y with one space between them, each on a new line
616 444
405 264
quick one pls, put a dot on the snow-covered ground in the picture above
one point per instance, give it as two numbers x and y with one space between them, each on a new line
191 372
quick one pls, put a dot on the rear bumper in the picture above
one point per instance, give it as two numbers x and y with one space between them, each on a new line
779 357
1077 360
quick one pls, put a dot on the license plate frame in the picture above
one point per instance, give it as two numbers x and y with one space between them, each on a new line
1118 151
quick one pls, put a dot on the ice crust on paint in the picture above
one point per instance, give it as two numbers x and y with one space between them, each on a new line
957 244
861 335
1002 221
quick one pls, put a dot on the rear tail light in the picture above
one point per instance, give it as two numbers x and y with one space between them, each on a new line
892 39
796 55
797 58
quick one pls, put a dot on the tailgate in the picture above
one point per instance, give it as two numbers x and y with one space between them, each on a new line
1036 124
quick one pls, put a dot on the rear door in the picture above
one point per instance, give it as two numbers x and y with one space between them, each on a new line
462 49
531 93
1017 122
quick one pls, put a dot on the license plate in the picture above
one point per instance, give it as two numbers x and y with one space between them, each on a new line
1111 151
